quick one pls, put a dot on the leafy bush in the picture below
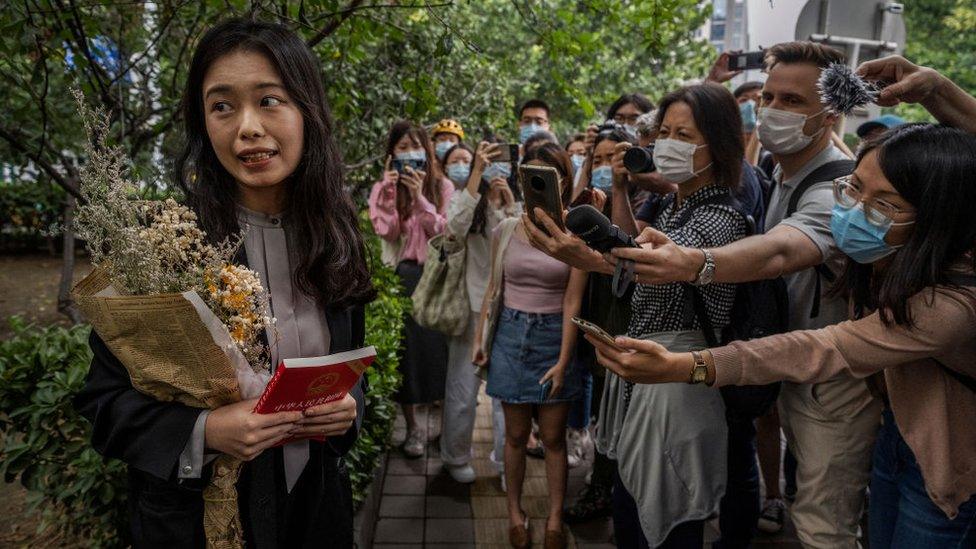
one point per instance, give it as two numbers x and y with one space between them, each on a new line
384 330
45 441
27 209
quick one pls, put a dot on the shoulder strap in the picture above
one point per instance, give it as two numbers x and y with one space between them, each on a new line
827 172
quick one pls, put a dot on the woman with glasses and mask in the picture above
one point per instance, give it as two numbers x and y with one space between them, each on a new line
904 219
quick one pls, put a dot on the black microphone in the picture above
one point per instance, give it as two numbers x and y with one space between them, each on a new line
596 230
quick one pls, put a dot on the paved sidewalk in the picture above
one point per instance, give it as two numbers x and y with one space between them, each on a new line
422 506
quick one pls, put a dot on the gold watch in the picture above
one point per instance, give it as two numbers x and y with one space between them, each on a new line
699 372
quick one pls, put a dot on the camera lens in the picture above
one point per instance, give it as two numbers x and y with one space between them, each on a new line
538 183
640 159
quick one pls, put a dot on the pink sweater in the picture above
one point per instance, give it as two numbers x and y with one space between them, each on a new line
423 221
934 412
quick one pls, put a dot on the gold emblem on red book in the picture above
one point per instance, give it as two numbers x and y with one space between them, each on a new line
323 383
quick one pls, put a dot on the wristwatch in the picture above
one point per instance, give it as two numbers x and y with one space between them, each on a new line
699 372
707 271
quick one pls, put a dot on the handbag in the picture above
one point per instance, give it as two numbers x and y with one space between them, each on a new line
440 301
495 301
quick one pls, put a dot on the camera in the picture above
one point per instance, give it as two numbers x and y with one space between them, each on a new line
607 128
640 159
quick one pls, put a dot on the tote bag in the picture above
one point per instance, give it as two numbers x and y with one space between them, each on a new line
440 301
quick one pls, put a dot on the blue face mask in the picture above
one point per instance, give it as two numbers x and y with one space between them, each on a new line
748 112
458 173
441 149
857 237
497 169
602 178
417 160
527 131
577 160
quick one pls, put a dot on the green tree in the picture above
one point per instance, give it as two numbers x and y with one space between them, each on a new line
941 35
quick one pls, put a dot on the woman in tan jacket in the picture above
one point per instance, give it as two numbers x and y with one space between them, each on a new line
905 218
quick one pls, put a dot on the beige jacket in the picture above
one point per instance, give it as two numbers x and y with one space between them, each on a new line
935 413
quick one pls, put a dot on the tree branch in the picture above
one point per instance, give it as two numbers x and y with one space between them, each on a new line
16 142
334 23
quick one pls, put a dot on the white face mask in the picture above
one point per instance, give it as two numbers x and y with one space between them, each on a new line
781 132
675 160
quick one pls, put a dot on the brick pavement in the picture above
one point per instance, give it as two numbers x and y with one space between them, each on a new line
422 506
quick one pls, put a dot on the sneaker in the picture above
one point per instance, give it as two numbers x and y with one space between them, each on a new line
771 519
594 502
462 474
504 486
413 447
577 444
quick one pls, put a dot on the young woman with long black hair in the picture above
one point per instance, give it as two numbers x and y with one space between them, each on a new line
905 220
259 156
407 207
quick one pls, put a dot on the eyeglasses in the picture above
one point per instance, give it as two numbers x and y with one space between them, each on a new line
626 118
537 120
847 194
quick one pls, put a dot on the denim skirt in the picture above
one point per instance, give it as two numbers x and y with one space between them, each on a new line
525 347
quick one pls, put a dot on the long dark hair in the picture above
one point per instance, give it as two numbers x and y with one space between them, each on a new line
332 264
717 116
616 135
552 154
932 167
434 177
638 100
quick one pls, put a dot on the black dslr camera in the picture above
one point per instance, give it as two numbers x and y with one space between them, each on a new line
607 128
640 159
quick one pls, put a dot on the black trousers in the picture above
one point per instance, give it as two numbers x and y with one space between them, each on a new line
741 506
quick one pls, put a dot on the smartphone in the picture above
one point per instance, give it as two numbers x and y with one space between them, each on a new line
416 165
747 61
545 388
540 189
595 331
585 197
507 152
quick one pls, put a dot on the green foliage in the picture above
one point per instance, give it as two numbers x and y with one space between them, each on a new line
941 35
469 59
27 210
384 330
46 443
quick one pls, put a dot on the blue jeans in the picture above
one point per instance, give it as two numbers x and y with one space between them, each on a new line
902 515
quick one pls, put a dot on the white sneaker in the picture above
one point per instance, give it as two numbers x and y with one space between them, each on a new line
576 447
413 447
504 486
462 474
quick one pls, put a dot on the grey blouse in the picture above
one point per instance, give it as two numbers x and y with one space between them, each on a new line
302 330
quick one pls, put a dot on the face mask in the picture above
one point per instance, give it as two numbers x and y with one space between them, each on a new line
675 160
417 160
458 172
527 131
748 112
602 178
441 149
857 237
781 132
497 169
577 160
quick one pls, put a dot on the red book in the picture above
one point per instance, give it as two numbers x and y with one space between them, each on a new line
302 383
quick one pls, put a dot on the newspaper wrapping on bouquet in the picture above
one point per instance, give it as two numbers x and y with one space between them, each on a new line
175 349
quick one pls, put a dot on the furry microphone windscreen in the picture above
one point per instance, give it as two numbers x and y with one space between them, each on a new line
842 90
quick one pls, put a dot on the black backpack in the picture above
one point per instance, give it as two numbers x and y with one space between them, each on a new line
760 307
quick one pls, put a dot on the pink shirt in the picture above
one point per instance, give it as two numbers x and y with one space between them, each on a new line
534 282
423 221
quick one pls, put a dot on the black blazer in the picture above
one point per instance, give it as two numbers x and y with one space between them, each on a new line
150 435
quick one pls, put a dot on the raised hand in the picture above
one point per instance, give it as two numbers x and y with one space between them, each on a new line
720 69
562 245
659 260
907 82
